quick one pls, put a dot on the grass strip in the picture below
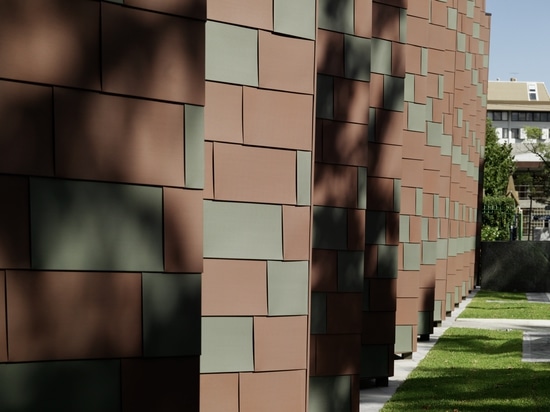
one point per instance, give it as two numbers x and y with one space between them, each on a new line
475 370
504 305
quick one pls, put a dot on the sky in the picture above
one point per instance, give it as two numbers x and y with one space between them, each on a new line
520 45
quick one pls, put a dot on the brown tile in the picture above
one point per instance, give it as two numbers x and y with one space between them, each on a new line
408 283
254 174
415 233
234 287
392 228
183 231
376 91
277 119
378 328
286 63
280 343
351 100
100 137
312 355
219 392
387 21
439 13
26 144
296 233
382 295
3 330
380 193
252 13
431 181
345 143
419 8
417 31
356 229
427 205
371 261
407 311
54 43
413 175
223 113
324 270
262 391
398 59
385 160
167 384
363 18
420 87
184 8
389 127
344 311
330 52
338 354
152 55
413 57
413 145
408 200
71 315
14 221
335 185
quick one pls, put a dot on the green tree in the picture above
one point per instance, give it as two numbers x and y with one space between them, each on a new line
539 180
498 163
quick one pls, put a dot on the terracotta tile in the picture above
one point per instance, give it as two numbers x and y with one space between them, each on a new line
166 384
371 261
252 13
185 8
223 113
432 229
378 328
408 283
26 147
419 8
164 56
208 191
338 354
420 89
234 287
417 31
392 229
89 315
324 271
254 174
3 330
387 21
414 145
277 119
363 18
415 232
413 57
183 230
431 181
398 60
345 143
296 233
14 221
407 311
356 229
55 43
413 175
408 200
439 13
427 205
344 311
380 193
262 391
280 343
389 127
385 160
286 63
100 137
427 277
376 91
437 35
382 295
312 355
330 52
219 392
351 100
335 185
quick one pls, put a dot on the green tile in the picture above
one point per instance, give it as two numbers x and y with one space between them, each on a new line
424 228
325 97
242 230
404 228
375 233
409 87
330 228
387 262
411 256
447 207
375 361
381 57
441 86
435 131
287 288
419 201
357 54
231 54
303 178
461 42
458 294
294 17
397 195
470 5
475 76
452 18
394 93
416 117
464 162
457 210
318 313
424 62
446 144
351 271
425 323
404 339
476 31
448 302
429 253
362 188
442 248
429 109
84 386
481 47
485 61
79 225
403 25
457 155
453 247
336 15
438 304
330 394
468 63
194 147
171 314
459 117
227 344
372 124
436 205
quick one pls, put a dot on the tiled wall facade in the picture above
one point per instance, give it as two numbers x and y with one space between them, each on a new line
244 205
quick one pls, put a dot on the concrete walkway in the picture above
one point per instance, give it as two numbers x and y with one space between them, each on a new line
536 347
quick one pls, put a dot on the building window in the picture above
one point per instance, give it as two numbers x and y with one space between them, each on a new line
522 116
489 115
515 116
544 117
532 90
504 115
529 116
536 117
515 133
497 115
505 133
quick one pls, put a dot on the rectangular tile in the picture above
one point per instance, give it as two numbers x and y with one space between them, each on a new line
303 178
336 15
296 233
223 113
219 392
295 17
185 8
330 228
351 271
194 146
329 393
287 288
250 13
357 55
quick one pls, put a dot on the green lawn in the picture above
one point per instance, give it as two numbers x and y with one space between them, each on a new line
475 370
504 305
